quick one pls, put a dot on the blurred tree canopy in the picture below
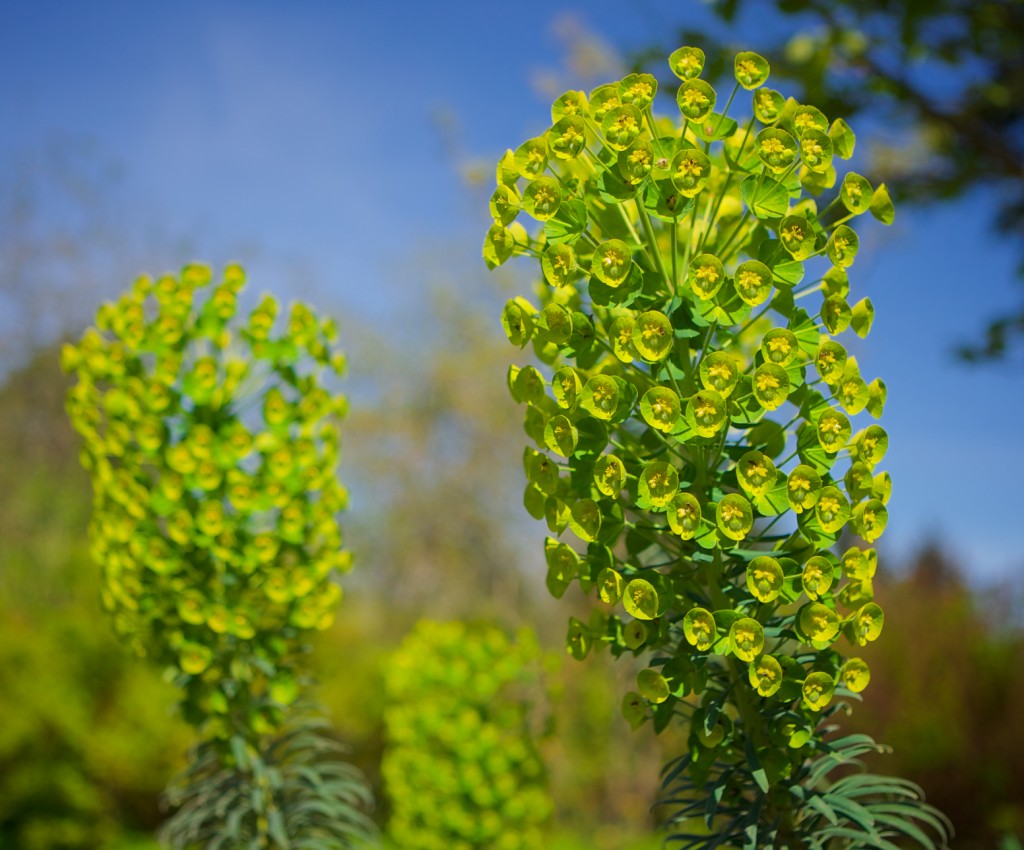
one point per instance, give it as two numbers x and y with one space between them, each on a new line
944 81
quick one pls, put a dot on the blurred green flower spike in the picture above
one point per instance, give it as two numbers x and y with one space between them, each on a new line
687 62
184 490
689 410
750 69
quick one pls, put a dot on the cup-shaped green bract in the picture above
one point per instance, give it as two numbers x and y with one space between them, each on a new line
691 170
817 576
653 686
797 236
609 475
572 103
699 629
609 586
818 689
836 314
756 473
600 397
815 150
767 105
187 485
776 148
707 274
460 763
603 99
818 622
780 346
653 336
505 204
746 638
542 197
622 126
735 516
871 444
531 158
765 578
585 519
687 62
833 430
559 265
855 193
855 674
640 599
753 281
563 565
566 387
661 408
684 515
803 487
842 246
832 510
707 413
830 360
638 90
750 69
765 675
696 99
720 372
636 162
568 137
867 623
657 485
560 436
611 262
771 385
870 519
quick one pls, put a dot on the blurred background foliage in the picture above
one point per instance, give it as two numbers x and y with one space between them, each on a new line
88 737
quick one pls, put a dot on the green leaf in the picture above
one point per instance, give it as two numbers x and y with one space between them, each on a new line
568 223
766 198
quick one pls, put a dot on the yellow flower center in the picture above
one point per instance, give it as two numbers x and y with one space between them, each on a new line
811 149
798 482
779 345
720 372
640 91
707 274
694 97
767 382
793 233
689 168
772 147
706 409
749 281
731 512
829 505
747 68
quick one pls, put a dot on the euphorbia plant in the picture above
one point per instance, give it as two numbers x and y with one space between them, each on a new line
212 445
702 439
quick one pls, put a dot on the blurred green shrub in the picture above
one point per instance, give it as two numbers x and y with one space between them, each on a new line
461 767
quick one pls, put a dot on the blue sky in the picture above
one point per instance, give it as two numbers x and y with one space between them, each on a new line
303 138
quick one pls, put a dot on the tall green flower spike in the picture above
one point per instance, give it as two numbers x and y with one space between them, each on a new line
715 464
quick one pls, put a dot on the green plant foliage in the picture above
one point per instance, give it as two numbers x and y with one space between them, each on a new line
295 794
710 287
460 766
